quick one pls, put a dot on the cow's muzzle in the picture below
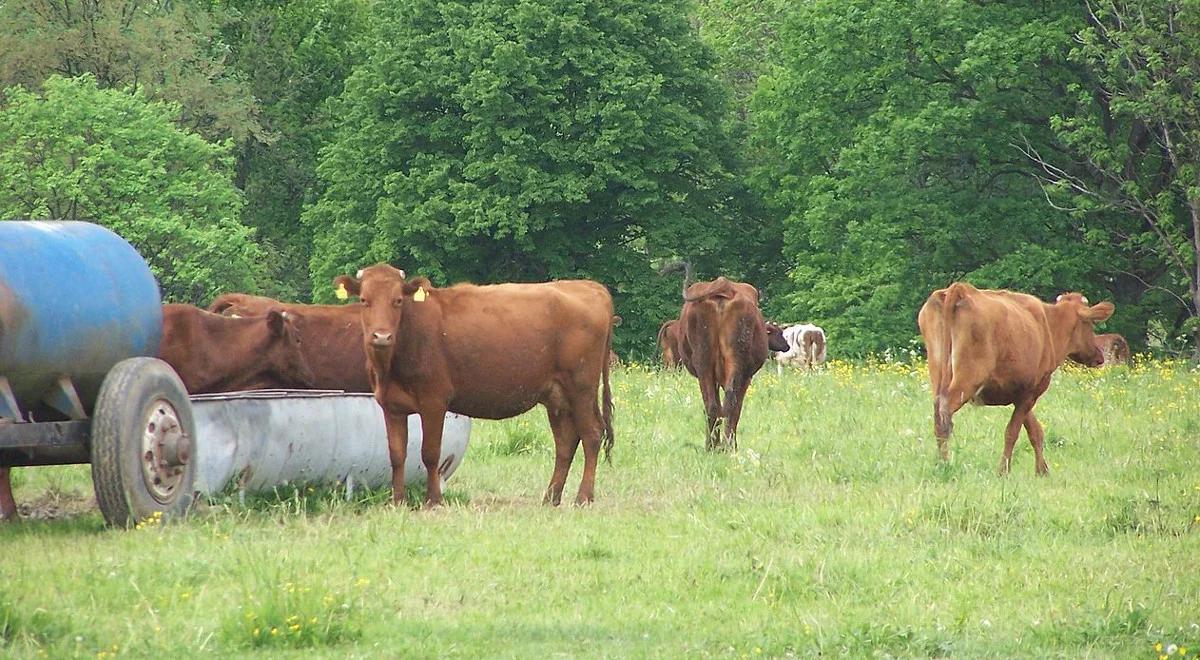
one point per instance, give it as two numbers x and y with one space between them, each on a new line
382 339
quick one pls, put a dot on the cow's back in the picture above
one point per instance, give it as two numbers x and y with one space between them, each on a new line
723 334
1002 334
331 337
502 348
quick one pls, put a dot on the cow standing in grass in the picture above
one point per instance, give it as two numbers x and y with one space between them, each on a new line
491 352
668 343
1114 348
806 347
1000 348
724 342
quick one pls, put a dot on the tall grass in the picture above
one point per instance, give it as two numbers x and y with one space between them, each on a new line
834 530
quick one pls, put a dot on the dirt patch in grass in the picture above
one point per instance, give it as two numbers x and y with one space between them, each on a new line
57 505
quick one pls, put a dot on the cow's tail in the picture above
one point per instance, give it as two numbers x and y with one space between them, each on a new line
941 404
607 409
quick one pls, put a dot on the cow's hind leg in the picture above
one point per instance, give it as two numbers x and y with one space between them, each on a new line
946 403
566 441
1037 438
586 416
735 396
712 408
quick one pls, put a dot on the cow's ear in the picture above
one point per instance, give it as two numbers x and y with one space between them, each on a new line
1099 312
275 320
345 286
411 286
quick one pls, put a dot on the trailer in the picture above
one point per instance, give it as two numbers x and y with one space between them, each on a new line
80 323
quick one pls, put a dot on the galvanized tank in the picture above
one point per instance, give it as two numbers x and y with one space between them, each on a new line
75 299
262 439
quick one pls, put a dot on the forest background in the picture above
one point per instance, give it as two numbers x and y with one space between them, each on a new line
846 157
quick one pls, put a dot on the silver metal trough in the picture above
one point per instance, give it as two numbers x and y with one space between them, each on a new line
266 438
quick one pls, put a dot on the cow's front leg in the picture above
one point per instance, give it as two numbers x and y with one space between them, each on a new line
432 422
1012 432
397 437
8 505
1037 438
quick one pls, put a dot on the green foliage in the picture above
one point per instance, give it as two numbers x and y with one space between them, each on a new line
290 615
527 140
894 125
167 50
293 56
78 152
1135 130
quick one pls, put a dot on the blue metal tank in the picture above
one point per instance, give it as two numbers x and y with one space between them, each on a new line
75 299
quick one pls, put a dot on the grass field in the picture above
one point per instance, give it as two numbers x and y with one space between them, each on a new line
832 531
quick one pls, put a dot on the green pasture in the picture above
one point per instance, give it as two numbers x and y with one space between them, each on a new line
833 530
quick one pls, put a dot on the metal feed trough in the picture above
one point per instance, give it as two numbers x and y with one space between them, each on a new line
80 322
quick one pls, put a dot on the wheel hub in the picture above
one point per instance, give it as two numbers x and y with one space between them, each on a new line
166 450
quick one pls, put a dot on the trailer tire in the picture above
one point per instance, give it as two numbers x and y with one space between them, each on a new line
143 434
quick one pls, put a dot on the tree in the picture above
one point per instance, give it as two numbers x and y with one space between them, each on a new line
293 56
79 152
167 50
527 140
891 130
1133 144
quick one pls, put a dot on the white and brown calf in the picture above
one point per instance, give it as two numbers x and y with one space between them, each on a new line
806 347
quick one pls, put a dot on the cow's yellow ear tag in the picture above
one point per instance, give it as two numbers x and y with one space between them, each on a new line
420 295
340 292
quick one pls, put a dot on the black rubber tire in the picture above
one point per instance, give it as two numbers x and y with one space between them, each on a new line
123 407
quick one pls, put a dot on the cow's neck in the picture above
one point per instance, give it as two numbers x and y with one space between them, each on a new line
1062 320
414 350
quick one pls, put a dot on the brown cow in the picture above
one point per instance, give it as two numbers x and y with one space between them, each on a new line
1000 348
214 353
724 343
332 337
492 352
668 342
776 342
1113 347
